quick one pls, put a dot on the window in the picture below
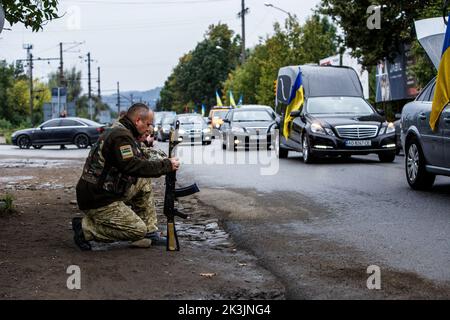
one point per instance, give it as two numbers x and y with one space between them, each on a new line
338 105
256 115
51 123
70 123
425 93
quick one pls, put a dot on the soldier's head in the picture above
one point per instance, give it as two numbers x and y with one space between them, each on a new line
142 117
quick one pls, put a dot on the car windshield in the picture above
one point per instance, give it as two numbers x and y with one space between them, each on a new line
220 114
338 105
254 115
91 123
191 120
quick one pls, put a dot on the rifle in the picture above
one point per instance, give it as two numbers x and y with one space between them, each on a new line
171 194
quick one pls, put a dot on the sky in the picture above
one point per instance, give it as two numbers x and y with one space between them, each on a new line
138 42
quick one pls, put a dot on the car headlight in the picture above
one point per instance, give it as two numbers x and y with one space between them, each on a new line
390 128
207 130
317 128
386 129
237 130
181 131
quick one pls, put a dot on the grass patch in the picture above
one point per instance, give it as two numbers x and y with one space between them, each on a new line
7 204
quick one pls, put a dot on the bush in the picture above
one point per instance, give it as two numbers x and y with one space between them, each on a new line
6 204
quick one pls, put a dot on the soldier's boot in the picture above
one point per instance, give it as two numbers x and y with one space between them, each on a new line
156 238
142 243
78 236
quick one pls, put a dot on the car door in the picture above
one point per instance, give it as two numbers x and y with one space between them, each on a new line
446 136
67 130
46 132
432 141
298 124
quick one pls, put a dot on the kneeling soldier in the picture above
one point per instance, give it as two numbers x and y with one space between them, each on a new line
114 175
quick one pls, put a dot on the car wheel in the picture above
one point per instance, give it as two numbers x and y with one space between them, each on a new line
416 175
81 141
308 156
37 147
386 156
24 142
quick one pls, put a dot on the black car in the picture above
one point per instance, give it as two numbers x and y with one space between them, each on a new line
335 119
164 127
427 152
59 131
193 128
248 127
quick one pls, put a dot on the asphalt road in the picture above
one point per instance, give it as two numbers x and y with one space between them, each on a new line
320 226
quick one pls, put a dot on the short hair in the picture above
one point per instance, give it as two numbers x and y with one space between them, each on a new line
137 110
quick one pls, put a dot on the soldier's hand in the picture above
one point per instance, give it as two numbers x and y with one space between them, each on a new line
175 163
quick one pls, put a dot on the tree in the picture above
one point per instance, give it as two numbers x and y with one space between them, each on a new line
202 71
292 45
396 25
72 79
32 13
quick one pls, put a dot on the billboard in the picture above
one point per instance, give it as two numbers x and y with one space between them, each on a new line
393 79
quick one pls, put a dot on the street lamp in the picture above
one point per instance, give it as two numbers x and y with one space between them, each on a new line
267 4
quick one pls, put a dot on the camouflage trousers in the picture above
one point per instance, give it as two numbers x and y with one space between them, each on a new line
127 220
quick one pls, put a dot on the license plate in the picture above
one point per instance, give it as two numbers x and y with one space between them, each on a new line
358 143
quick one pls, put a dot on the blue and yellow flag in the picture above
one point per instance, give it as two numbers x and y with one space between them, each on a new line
241 101
203 110
296 100
232 102
218 100
442 91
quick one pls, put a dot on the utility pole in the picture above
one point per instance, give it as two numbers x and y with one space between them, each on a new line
98 84
118 98
30 57
89 85
28 47
61 65
241 15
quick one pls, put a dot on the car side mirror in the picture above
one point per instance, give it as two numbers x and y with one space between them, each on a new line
226 121
381 112
295 114
42 128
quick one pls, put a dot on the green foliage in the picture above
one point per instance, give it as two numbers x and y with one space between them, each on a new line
6 204
71 80
32 13
202 71
291 45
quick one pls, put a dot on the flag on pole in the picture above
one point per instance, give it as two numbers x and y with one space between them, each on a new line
241 101
218 100
203 110
232 102
295 102
442 91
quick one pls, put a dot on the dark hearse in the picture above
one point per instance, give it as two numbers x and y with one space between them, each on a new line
335 119
60 131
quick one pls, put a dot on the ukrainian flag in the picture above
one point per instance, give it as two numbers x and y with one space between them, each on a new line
203 110
442 91
218 100
232 102
296 100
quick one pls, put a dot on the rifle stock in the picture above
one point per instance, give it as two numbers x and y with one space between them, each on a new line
169 198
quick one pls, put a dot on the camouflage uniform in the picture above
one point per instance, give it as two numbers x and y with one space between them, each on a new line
126 210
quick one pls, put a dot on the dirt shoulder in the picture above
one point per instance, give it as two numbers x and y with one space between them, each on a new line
36 248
